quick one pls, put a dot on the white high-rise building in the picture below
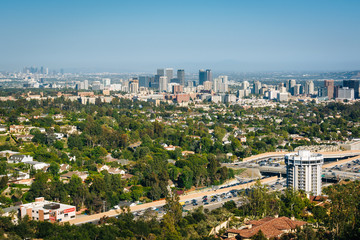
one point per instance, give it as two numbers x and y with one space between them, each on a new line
134 86
304 171
163 84
220 84
346 93
106 82
256 87
244 85
86 84
309 87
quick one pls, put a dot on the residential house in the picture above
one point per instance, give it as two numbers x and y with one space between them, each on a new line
3 128
67 176
20 158
111 170
38 165
126 176
69 129
185 153
271 227
64 167
27 137
59 136
17 128
7 152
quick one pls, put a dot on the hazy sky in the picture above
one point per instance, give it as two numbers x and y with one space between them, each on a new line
237 35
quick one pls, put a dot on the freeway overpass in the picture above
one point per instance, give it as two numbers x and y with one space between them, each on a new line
334 175
333 155
112 213
282 169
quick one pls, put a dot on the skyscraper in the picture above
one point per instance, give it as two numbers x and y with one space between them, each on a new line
161 72
134 85
257 87
163 83
352 84
205 75
144 81
202 76
86 84
169 73
209 76
181 76
309 88
106 81
304 170
329 85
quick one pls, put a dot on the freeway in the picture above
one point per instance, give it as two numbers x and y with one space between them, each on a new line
112 213
282 169
338 154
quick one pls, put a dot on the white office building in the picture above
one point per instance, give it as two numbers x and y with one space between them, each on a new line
346 93
163 84
304 171
43 210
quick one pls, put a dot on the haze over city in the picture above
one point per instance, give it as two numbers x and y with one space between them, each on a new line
121 36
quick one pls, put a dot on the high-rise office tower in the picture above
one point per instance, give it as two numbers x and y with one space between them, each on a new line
161 72
163 83
329 85
205 75
345 93
202 76
256 87
86 84
220 84
106 82
290 85
244 85
169 73
309 88
209 76
304 170
181 76
144 81
297 90
134 85
354 84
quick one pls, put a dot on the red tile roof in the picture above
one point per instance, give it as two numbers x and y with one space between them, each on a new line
271 227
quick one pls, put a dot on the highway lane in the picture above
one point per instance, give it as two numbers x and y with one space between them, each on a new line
183 198
337 154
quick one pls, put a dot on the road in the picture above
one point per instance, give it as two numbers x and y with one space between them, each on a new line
338 154
183 198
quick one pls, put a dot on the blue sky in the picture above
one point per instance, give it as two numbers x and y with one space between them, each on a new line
225 35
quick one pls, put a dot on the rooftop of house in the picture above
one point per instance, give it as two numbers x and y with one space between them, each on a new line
270 226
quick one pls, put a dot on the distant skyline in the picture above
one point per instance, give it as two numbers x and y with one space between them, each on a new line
231 35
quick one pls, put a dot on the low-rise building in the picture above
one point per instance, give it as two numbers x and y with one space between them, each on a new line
271 227
43 210
17 128
3 128
17 158
67 176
